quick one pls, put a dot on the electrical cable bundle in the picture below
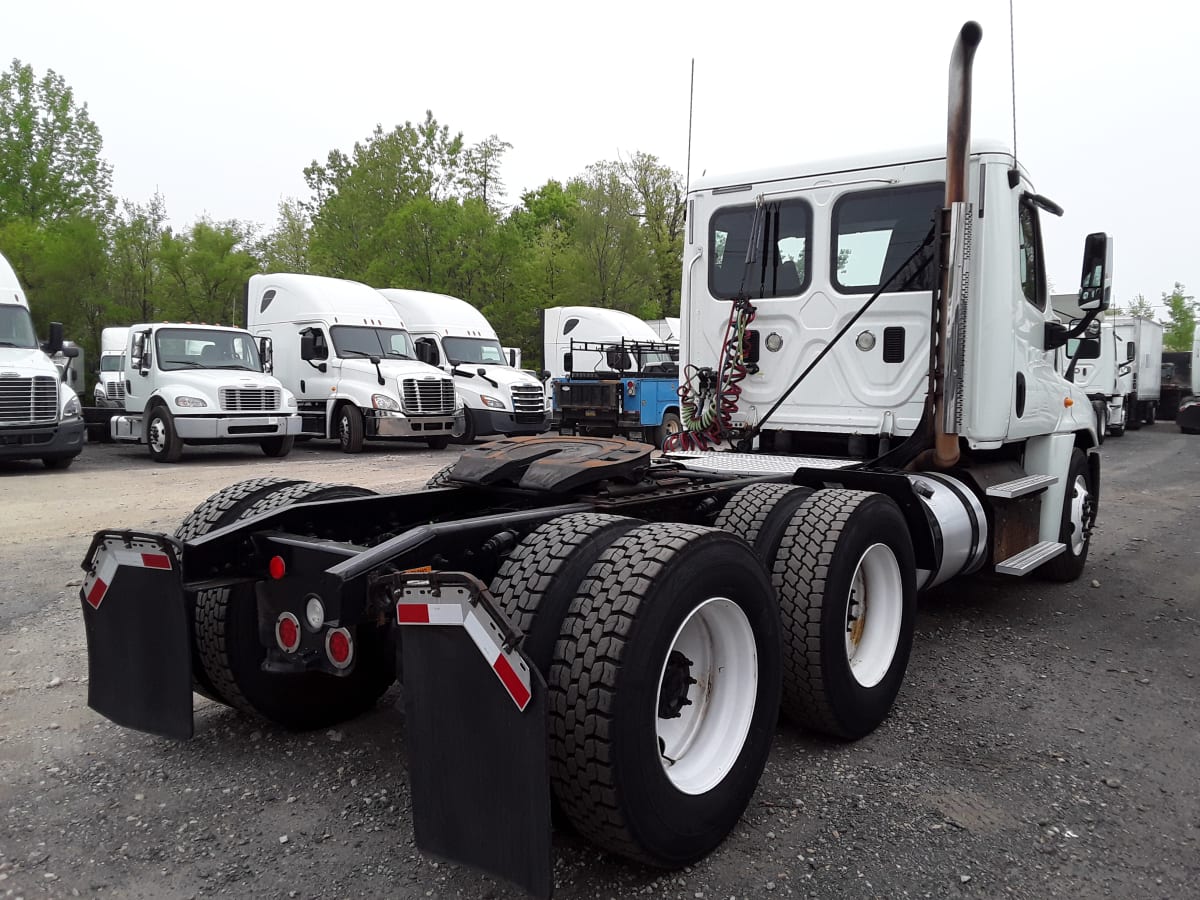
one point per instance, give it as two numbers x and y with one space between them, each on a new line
708 400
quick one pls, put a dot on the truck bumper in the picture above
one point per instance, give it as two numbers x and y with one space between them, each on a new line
42 442
411 427
496 421
198 428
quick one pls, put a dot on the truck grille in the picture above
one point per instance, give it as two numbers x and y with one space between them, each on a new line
25 401
115 390
529 403
428 396
249 399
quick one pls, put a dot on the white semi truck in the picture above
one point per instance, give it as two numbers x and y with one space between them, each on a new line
202 385
351 362
109 392
620 630
1143 339
451 334
595 325
1188 417
40 416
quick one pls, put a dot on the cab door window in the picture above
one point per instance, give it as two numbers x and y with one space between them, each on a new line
1030 264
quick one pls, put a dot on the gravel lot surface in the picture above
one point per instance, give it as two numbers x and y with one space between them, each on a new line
1044 744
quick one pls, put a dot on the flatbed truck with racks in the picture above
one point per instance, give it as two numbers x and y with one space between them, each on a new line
619 631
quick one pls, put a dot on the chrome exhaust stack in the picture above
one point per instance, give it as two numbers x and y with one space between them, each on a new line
945 452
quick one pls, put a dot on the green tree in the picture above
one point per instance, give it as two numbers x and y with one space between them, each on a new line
1139 306
659 195
353 194
481 171
50 163
135 276
1181 325
205 270
286 247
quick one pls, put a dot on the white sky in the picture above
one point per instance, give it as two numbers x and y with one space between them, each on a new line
220 105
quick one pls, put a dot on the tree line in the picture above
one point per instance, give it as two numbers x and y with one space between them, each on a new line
413 207
1179 325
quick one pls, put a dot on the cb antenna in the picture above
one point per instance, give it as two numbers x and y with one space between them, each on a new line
687 183
1014 174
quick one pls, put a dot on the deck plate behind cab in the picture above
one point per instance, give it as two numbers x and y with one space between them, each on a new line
554 464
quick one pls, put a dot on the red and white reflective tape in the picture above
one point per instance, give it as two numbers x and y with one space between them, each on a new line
507 664
108 558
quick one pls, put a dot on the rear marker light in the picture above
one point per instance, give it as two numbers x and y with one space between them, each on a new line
314 612
339 647
277 567
287 632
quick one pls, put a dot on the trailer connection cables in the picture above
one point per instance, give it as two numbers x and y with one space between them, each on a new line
708 399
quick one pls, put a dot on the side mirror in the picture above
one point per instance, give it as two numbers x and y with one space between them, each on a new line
70 352
512 357
426 351
308 346
1093 329
266 351
1095 284
1084 348
567 360
545 374
481 371
137 354
1130 351
55 342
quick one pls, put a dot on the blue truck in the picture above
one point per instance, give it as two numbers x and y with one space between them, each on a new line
627 388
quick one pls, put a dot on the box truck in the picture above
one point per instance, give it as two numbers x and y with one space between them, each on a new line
346 354
1144 344
450 333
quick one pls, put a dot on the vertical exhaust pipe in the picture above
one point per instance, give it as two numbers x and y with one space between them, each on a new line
958 153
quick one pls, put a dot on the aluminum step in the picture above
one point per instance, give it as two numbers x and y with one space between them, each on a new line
1028 560
752 463
1020 487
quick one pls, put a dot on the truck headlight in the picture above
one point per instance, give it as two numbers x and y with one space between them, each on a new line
98 393
71 409
190 401
383 401
491 401
291 401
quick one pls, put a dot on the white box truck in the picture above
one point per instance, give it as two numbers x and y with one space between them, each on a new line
202 384
450 333
1144 344
40 416
348 357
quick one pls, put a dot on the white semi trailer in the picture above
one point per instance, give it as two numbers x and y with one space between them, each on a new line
620 630
1143 339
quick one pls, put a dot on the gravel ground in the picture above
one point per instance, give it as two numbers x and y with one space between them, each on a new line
1044 743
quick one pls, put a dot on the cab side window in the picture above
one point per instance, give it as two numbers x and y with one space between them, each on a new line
1031 266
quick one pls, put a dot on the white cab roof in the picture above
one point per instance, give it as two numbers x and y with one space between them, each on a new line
427 311
300 298
616 324
10 287
880 160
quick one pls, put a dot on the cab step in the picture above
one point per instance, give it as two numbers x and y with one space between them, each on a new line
1021 487
1028 560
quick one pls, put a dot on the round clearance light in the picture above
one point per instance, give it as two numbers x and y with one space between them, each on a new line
276 567
865 341
774 342
314 613
287 632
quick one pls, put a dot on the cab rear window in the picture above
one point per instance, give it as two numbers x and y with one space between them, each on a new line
782 238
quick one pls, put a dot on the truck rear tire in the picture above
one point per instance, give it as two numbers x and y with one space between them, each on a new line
664 693
231 653
162 439
1133 413
538 581
846 579
467 435
349 425
438 443
670 425
1077 521
759 515
277 447
1151 413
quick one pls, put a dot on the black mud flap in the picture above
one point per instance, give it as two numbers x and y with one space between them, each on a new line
475 719
139 653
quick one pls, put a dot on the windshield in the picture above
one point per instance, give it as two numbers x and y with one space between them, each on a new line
112 363
16 328
358 340
474 351
207 348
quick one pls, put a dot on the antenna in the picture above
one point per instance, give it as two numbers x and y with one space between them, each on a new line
1014 174
687 183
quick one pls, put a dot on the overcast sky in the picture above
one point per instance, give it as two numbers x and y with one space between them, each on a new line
220 105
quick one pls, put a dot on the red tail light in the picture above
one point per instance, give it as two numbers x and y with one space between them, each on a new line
339 647
287 632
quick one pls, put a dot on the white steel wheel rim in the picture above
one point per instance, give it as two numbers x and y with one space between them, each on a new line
874 613
1079 499
344 427
158 434
699 746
